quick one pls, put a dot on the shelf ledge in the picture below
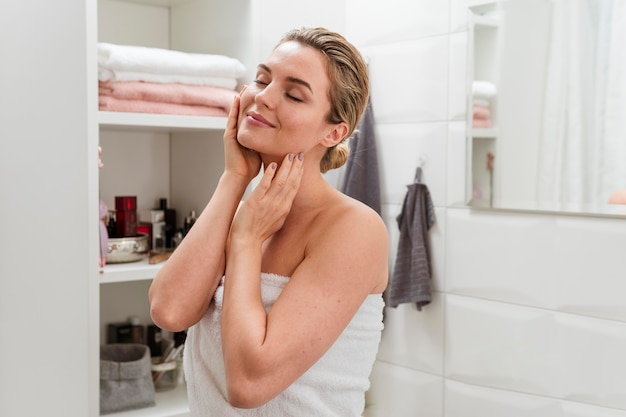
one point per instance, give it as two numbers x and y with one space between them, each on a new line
166 122
130 271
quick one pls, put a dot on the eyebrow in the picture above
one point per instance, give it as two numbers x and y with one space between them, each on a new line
290 79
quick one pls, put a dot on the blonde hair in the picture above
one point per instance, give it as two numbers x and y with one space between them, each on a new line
349 84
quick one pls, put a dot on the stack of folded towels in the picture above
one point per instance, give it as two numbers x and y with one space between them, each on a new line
483 93
152 80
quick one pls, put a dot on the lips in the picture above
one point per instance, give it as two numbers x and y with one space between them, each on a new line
258 120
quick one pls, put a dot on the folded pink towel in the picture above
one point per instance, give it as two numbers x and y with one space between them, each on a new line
108 103
482 123
197 95
481 112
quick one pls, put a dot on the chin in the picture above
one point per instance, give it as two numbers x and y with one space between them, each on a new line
245 141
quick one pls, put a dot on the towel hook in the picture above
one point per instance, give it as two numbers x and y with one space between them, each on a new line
421 161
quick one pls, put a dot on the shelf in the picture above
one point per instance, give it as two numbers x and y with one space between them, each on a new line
131 271
165 122
490 133
171 403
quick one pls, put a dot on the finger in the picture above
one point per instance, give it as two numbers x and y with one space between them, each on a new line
287 179
233 116
266 180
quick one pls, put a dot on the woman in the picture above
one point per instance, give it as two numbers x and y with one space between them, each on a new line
315 256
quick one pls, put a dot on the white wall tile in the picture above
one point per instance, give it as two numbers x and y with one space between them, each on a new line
456 165
402 146
297 14
498 256
397 391
588 266
573 409
592 360
374 21
457 90
572 264
536 351
410 80
502 346
414 338
464 400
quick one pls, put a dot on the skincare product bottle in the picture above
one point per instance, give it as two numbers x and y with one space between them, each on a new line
155 341
189 221
137 330
126 216
170 222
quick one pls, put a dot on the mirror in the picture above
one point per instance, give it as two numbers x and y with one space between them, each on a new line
546 100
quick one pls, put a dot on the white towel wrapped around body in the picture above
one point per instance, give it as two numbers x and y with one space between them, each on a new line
334 386
140 59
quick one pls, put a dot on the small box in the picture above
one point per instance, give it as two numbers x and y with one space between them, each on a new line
151 216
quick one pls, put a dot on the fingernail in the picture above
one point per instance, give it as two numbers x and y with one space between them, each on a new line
290 157
300 156
273 165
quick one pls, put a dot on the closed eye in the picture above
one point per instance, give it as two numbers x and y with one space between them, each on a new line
289 96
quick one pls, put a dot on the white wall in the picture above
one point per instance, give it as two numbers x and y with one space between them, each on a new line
46 211
528 317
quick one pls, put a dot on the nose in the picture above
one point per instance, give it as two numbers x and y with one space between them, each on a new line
266 96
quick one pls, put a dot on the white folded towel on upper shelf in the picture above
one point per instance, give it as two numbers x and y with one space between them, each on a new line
105 74
484 89
140 59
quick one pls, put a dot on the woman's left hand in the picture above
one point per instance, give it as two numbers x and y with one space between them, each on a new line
265 210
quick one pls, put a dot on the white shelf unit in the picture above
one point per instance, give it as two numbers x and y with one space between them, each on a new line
483 63
175 157
155 156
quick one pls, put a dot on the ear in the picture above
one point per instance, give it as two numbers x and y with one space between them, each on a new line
337 133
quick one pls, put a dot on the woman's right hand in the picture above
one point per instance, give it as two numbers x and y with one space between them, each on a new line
239 160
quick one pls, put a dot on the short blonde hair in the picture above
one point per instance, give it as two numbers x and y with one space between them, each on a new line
349 84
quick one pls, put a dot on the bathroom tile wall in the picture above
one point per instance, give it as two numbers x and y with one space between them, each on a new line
528 315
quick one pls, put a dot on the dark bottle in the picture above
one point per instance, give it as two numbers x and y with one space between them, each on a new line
189 221
170 222
137 330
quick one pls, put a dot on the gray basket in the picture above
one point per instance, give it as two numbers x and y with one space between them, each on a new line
125 377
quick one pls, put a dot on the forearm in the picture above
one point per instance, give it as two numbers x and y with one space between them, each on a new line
244 319
182 290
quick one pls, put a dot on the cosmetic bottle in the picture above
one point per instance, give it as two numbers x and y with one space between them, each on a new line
126 216
189 221
155 341
170 222
137 330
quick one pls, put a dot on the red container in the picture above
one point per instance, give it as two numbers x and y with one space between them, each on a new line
126 216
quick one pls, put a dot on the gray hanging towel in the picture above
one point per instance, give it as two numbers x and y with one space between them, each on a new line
361 178
411 279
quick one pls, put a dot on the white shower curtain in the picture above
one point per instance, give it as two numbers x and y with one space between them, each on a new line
583 149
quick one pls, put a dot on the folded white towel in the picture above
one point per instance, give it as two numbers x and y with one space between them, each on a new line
484 89
163 61
481 102
105 74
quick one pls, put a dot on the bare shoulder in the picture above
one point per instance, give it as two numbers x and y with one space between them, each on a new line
353 238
